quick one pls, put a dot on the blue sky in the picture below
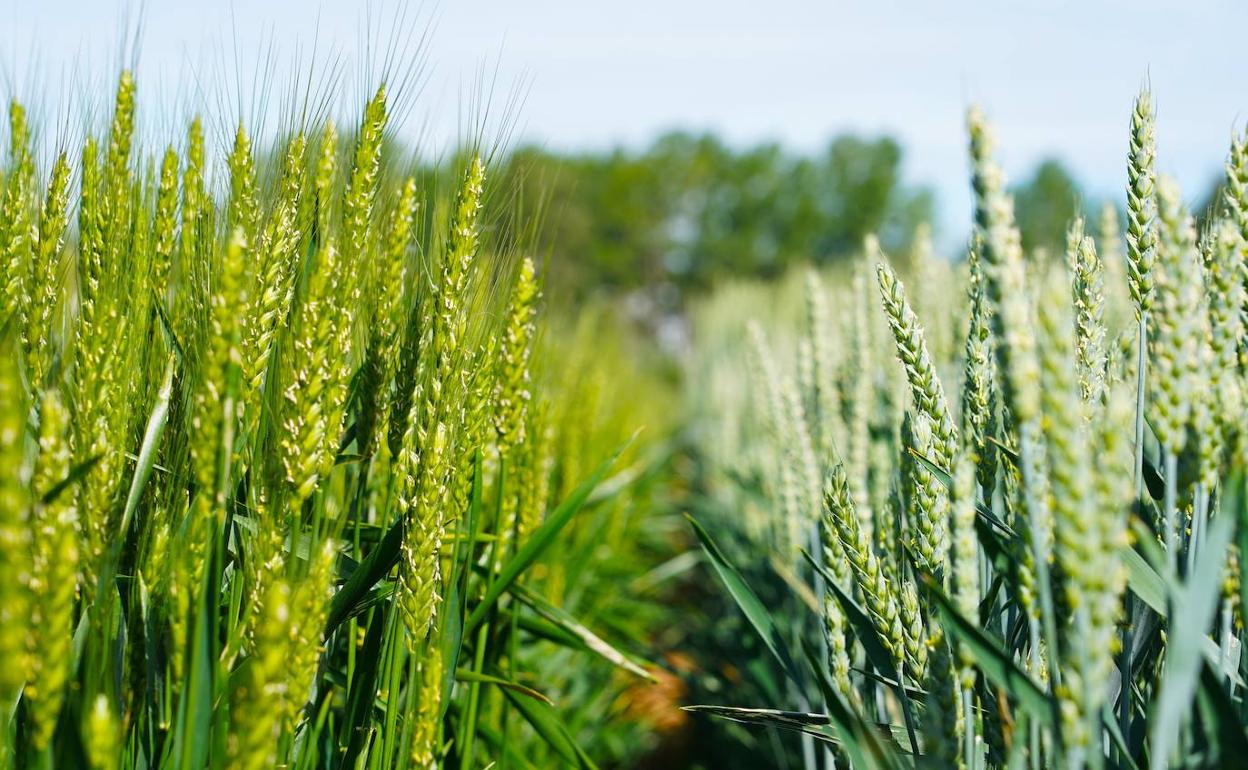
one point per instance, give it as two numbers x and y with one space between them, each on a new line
1056 77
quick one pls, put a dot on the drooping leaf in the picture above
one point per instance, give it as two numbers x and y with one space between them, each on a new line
815 725
591 641
868 745
465 675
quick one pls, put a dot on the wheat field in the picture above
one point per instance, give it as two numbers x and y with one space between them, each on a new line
1007 501
280 446
302 467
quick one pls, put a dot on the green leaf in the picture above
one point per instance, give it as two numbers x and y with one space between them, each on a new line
747 600
541 539
465 675
195 707
550 728
563 620
1220 717
1144 581
147 450
75 473
815 725
1195 603
167 325
375 567
864 629
991 659
1153 589
1110 722
544 629
358 717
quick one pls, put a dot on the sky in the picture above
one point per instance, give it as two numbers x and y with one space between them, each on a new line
1057 78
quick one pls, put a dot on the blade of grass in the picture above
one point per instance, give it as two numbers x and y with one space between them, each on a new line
541 539
747 600
996 664
466 675
546 723
1194 603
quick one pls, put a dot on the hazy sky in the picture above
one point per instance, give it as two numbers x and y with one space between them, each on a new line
1056 77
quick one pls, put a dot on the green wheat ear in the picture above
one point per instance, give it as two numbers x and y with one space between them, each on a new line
964 552
978 377
841 525
1088 292
858 401
216 402
16 234
164 225
14 529
384 298
1224 293
1236 198
925 385
391 273
1081 555
765 382
309 609
100 733
927 500
273 285
537 468
1142 236
943 724
1005 276
824 402
315 394
54 572
427 448
242 211
361 190
1174 345
259 697
1019 371
511 392
428 714
45 280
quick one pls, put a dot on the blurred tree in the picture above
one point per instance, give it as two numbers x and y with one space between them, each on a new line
688 209
1045 205
1212 203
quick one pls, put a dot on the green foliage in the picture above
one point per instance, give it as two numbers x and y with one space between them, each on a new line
1045 205
689 210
